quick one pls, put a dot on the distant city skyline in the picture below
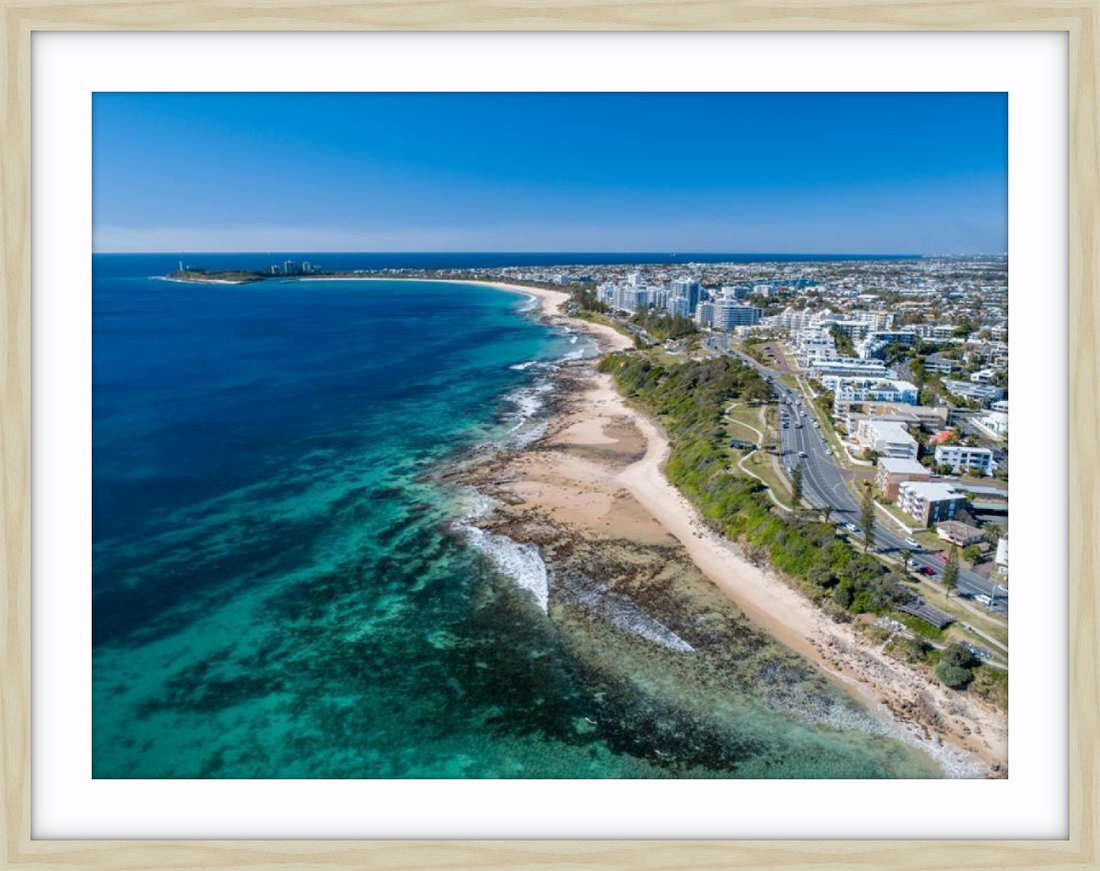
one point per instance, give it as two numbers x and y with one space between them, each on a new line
776 173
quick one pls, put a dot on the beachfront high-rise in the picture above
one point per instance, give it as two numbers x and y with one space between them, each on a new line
729 314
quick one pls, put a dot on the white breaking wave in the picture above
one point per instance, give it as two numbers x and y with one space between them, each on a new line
519 367
527 403
522 562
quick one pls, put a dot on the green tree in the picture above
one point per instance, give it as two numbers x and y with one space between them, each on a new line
906 555
827 512
916 370
820 575
951 571
953 676
972 553
867 517
958 655
796 485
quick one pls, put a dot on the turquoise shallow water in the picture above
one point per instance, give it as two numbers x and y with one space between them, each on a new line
280 591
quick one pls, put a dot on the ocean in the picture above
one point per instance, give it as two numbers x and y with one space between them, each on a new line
283 585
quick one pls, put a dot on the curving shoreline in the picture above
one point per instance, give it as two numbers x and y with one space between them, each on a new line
891 688
968 737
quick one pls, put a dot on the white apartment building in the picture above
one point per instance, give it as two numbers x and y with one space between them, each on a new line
631 298
933 332
628 298
847 390
794 320
995 424
853 329
848 366
687 288
887 438
874 343
981 393
983 376
728 313
963 460
679 305
879 320
929 502
813 344
704 313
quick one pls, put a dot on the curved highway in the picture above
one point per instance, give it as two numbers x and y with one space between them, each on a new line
823 485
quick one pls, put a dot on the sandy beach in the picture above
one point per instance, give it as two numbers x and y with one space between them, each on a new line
598 473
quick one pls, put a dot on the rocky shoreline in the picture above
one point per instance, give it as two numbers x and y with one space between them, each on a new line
615 536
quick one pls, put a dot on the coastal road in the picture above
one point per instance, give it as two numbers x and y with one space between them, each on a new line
823 485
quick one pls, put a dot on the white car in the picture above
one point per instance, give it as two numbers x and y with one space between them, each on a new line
912 542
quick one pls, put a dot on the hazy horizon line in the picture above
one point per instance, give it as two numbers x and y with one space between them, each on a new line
665 252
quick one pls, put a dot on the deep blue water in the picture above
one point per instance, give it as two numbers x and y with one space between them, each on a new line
280 589
159 264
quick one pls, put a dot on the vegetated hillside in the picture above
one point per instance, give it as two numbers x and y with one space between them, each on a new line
690 399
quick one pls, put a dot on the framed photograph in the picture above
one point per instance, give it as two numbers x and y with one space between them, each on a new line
515 449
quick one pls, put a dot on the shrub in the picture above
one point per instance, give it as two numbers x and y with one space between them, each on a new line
911 649
953 675
958 655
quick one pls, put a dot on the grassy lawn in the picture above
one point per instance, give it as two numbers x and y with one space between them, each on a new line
760 464
659 355
930 541
898 515
747 417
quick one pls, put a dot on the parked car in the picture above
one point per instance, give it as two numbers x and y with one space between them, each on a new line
926 570
941 556
912 542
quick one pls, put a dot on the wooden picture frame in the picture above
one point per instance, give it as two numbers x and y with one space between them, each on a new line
1080 20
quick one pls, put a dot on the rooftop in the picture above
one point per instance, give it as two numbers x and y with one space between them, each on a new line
899 466
933 490
890 429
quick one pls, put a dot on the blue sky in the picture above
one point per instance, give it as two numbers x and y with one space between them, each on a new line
783 173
